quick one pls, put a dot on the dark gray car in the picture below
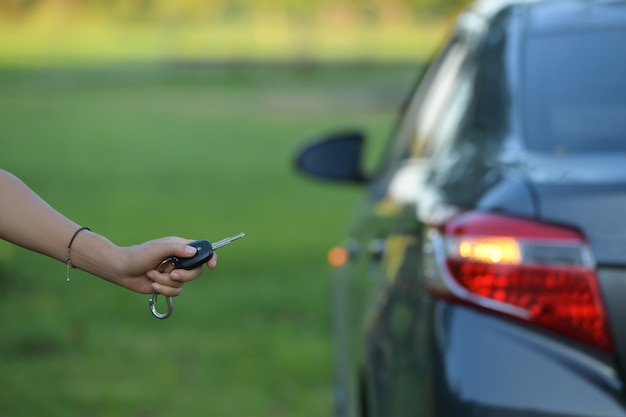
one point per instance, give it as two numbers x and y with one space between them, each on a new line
487 269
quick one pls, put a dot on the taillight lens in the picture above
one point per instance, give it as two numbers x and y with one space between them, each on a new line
542 274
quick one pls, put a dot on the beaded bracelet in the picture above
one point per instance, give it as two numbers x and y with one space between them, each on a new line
68 261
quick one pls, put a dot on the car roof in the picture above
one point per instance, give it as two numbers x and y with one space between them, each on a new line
555 16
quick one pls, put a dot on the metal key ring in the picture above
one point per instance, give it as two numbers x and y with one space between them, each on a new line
152 301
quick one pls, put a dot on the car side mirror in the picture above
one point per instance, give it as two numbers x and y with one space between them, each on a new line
336 157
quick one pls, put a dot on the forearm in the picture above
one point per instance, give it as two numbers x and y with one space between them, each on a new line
28 221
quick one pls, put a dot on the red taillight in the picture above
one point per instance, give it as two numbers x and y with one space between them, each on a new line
542 274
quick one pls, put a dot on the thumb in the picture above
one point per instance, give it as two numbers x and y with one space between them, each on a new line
178 247
187 251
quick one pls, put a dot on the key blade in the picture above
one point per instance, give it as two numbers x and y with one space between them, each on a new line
226 241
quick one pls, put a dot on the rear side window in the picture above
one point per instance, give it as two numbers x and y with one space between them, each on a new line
575 92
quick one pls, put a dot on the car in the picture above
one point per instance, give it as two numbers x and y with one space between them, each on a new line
485 265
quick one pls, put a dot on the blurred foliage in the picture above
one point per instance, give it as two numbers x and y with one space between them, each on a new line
202 11
100 30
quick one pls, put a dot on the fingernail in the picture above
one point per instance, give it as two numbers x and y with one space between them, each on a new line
155 286
150 274
190 250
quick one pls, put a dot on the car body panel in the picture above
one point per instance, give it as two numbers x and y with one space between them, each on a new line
487 365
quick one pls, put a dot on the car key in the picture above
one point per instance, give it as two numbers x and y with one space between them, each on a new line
204 252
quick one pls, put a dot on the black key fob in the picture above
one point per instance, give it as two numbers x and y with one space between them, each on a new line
203 254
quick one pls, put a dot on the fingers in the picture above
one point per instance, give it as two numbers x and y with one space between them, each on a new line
181 275
171 283
167 291
164 284
212 263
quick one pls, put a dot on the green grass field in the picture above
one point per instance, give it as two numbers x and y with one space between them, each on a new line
141 152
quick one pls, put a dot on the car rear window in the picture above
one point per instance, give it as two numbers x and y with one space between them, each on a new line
575 92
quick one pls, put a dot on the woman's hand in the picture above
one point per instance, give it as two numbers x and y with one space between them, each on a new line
137 270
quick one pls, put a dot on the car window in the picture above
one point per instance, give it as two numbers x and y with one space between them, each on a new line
403 143
439 108
575 92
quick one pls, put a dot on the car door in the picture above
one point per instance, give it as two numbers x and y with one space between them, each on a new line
379 304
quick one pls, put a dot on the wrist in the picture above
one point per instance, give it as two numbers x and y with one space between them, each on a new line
97 255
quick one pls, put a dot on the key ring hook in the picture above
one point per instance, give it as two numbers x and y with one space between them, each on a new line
152 301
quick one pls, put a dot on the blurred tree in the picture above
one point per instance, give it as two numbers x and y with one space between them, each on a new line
194 10
15 9
220 29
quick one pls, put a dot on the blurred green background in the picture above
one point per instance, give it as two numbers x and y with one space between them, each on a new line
142 119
